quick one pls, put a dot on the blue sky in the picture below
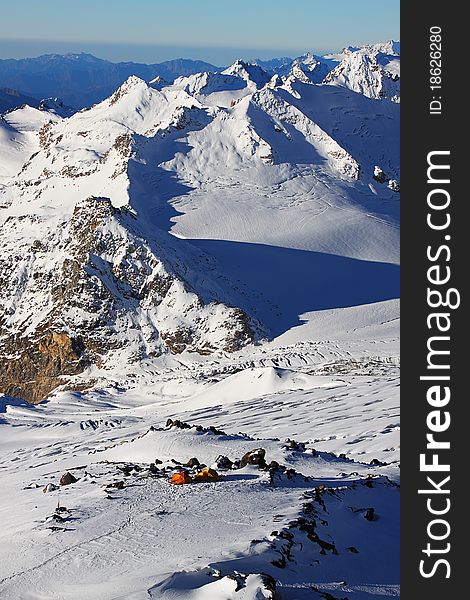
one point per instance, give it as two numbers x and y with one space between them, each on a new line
214 30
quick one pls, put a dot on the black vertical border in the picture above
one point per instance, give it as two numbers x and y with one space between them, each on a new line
420 134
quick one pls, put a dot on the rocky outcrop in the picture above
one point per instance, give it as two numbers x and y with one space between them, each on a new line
36 367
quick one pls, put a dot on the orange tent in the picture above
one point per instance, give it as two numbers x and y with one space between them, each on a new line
181 478
207 475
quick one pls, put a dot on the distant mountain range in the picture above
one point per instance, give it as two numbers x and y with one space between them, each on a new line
11 98
83 79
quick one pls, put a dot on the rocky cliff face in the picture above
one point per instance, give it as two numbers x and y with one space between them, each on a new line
35 367
95 287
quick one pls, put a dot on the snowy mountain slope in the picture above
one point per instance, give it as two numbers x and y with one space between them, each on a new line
14 150
372 70
19 137
168 540
93 205
132 540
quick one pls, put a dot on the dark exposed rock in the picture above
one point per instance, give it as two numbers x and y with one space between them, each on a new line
118 485
270 584
377 463
67 479
295 446
177 423
215 431
370 514
280 562
177 340
57 518
199 428
192 462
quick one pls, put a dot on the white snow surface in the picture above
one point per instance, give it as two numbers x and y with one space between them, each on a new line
260 193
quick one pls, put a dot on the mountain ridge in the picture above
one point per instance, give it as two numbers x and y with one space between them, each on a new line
82 79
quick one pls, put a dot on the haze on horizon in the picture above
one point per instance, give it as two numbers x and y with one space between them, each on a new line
152 31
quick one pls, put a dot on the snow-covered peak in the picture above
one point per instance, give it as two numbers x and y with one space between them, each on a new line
249 72
307 60
158 82
135 107
372 70
209 83
297 72
390 47
56 106
133 84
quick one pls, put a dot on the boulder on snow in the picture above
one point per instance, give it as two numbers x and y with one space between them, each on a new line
254 457
192 462
50 487
379 175
126 470
223 462
67 478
